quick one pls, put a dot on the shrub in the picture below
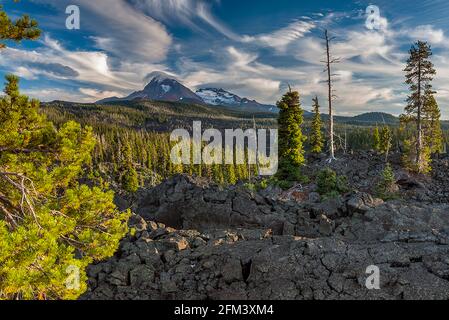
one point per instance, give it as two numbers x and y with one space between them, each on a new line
385 187
330 185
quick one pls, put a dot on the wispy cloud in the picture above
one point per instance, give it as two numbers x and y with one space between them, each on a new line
280 39
53 61
129 39
120 29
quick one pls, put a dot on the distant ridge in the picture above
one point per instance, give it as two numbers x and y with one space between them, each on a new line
376 117
368 118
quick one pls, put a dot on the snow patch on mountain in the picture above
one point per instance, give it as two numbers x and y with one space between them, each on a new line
166 88
217 97
221 97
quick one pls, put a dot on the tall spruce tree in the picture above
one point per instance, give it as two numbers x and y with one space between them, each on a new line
291 139
316 136
419 75
129 177
432 125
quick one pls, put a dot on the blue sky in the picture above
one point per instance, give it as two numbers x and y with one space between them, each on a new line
254 48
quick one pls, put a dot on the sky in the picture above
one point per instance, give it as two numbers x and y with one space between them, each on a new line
253 48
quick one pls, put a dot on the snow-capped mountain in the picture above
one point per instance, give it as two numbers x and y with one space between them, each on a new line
162 87
220 97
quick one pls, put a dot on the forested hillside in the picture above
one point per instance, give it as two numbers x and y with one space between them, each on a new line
146 125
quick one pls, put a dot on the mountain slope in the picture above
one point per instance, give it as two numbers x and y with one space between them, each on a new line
162 87
379 117
221 97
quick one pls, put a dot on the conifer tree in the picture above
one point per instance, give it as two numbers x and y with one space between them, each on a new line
291 139
217 173
50 223
385 142
23 28
316 137
385 188
149 163
419 75
376 139
230 174
129 178
432 125
240 170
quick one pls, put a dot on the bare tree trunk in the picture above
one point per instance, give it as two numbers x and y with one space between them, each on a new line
257 147
346 140
387 153
331 112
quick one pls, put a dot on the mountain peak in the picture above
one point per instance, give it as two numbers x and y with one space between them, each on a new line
159 76
221 97
165 87
161 87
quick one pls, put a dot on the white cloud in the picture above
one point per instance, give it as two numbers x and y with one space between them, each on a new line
191 13
91 67
132 44
424 33
25 73
98 95
121 30
280 39
52 94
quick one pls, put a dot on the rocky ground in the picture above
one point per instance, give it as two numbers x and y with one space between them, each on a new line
196 240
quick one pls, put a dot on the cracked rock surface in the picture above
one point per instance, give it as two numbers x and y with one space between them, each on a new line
194 240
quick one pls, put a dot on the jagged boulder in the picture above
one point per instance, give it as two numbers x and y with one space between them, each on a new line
237 244
244 265
361 203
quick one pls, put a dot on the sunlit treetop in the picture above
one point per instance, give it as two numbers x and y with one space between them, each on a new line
23 28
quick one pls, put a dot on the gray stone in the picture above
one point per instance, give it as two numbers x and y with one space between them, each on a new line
232 271
256 255
141 275
314 197
361 203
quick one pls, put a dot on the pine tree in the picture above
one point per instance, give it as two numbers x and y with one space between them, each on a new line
217 173
316 136
129 178
376 139
432 125
385 187
23 28
50 223
230 174
291 139
330 185
149 162
385 142
419 75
